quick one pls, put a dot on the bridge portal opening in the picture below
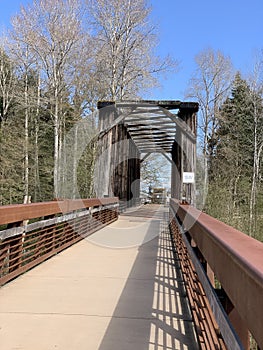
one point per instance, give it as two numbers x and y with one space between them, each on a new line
130 132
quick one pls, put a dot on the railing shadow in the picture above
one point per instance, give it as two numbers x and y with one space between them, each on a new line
152 312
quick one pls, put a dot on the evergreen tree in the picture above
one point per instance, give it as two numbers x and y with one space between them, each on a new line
232 165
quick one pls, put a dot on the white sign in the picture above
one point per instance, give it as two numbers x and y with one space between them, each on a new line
188 178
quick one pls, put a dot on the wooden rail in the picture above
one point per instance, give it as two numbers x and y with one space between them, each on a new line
236 261
54 226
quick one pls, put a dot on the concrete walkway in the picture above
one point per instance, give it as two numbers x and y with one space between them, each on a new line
120 289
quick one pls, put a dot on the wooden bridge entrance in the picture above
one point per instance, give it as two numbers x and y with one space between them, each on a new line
130 131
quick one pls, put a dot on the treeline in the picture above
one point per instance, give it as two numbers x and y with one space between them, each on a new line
231 140
59 58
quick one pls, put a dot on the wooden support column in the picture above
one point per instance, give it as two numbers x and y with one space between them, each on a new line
102 178
134 165
117 171
176 176
184 155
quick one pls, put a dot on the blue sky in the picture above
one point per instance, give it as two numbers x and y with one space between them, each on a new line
187 27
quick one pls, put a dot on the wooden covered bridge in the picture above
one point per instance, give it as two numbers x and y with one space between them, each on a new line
131 131
107 273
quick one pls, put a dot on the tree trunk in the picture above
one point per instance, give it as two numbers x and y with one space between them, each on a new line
36 152
26 170
56 144
253 191
74 170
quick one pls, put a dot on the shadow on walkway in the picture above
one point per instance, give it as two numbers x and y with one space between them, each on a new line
152 312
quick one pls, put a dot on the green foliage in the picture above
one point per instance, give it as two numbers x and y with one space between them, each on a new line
11 160
43 186
85 172
259 215
232 166
40 144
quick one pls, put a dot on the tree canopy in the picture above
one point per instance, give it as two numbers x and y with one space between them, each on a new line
59 58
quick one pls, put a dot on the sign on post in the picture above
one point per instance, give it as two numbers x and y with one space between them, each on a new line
188 178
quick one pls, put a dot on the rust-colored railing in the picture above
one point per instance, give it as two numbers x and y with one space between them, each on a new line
232 259
34 232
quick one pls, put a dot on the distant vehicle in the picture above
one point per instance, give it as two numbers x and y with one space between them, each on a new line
145 198
159 195
146 201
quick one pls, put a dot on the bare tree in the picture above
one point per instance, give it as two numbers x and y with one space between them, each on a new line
155 171
7 82
210 85
256 88
52 30
25 64
126 63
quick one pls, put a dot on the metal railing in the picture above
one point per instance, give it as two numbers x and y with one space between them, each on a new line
233 262
34 232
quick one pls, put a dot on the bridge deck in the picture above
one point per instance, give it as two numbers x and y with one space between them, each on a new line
120 289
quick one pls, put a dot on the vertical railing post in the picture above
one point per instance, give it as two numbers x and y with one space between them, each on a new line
237 322
15 248
210 274
15 253
4 248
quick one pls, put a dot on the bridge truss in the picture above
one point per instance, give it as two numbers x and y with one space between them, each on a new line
132 130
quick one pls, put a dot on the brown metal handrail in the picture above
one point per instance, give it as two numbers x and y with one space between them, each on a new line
54 226
20 212
237 262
